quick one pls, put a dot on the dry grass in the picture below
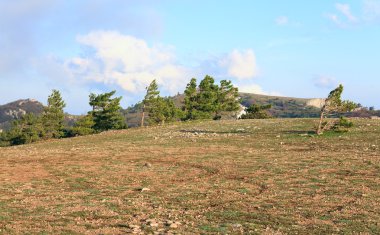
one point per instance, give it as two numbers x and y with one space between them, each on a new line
251 177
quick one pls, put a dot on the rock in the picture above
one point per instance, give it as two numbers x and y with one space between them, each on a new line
148 165
144 189
237 225
133 226
153 224
169 222
173 226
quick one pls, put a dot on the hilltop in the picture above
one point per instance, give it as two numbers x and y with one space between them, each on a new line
282 107
205 177
16 109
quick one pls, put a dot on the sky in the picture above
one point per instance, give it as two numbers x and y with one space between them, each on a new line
288 48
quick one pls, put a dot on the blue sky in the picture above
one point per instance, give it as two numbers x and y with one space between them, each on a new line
290 48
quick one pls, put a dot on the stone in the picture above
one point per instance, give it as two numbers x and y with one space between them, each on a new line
148 165
173 225
133 226
169 222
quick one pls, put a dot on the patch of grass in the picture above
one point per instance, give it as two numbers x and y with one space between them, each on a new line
251 176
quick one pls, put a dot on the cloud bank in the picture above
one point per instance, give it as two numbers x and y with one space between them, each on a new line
112 58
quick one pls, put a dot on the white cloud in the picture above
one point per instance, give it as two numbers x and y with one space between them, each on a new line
371 10
282 20
345 9
344 17
325 81
128 62
335 19
240 65
256 89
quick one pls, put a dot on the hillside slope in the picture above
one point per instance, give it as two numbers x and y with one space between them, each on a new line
212 177
16 109
282 107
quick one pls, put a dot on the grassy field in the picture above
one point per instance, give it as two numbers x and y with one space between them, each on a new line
214 177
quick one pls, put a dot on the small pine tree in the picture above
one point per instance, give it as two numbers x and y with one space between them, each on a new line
207 99
159 110
333 104
171 112
53 116
106 112
227 98
190 100
4 140
84 126
150 100
26 130
256 111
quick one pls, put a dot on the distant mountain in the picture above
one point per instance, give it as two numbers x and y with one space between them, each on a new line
16 109
285 107
282 107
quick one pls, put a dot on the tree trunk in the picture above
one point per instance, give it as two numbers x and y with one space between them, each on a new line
319 130
142 116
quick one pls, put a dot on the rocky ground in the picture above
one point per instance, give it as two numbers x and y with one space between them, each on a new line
216 177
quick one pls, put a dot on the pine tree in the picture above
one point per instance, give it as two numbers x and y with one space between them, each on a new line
227 98
256 111
333 103
53 116
163 110
84 126
106 112
190 100
207 98
26 130
150 99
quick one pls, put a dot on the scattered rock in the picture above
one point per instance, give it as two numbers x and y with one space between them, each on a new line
237 225
144 189
153 224
169 222
173 225
133 226
148 165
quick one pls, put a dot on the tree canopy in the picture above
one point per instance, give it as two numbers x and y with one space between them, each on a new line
53 116
106 112
333 104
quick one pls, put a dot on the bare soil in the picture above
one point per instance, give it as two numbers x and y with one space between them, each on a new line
212 177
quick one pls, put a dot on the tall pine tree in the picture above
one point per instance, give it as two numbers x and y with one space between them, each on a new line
227 98
53 116
190 100
158 109
150 99
207 98
106 112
